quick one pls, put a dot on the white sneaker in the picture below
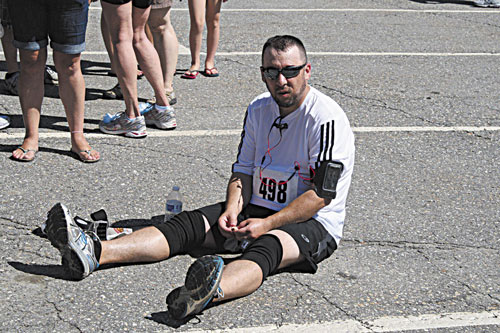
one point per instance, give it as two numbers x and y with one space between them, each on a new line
120 124
161 119
487 3
4 122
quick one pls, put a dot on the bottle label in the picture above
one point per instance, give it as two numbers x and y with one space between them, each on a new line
174 207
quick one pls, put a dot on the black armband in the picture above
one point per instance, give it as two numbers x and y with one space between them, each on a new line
326 178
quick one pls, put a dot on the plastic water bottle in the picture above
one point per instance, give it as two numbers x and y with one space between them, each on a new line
174 203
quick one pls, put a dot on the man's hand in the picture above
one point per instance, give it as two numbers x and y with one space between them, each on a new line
252 228
227 222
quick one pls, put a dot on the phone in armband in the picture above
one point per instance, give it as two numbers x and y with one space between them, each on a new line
326 178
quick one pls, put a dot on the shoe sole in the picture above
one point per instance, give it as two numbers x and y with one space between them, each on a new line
199 291
58 229
133 134
168 125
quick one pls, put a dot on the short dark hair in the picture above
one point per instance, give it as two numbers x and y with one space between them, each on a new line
283 43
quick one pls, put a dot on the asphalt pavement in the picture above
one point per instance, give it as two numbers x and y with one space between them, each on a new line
419 81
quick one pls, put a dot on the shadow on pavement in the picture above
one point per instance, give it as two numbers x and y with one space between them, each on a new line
458 2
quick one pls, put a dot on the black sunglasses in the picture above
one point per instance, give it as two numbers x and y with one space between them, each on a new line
288 72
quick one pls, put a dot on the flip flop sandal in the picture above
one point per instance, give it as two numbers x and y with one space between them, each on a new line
25 151
79 156
210 74
190 75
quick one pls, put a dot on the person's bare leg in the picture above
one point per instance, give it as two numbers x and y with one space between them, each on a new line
213 32
197 21
72 93
119 21
146 54
243 277
31 89
9 51
144 245
165 42
106 37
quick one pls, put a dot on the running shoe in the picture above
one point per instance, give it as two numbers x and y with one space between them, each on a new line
487 3
113 93
4 122
201 285
11 80
76 246
50 76
120 124
161 119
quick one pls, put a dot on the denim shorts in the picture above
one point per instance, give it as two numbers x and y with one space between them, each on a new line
63 21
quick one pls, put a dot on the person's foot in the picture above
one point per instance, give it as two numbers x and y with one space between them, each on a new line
11 80
201 285
211 72
171 98
163 119
487 3
4 122
26 152
82 149
50 76
76 247
120 124
113 93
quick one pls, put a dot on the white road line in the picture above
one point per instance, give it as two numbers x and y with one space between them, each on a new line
185 51
382 324
343 10
237 132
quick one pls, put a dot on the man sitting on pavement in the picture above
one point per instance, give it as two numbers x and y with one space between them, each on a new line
285 204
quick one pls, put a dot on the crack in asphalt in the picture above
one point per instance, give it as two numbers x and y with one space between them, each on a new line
417 245
338 307
463 283
61 318
14 223
380 104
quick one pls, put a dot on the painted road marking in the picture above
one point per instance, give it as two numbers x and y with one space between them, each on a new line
230 132
382 324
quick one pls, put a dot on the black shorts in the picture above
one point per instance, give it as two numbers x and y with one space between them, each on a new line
313 240
136 3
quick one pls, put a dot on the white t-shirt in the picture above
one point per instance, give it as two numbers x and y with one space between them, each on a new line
317 131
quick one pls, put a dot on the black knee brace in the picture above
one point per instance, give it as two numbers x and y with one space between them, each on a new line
267 252
183 232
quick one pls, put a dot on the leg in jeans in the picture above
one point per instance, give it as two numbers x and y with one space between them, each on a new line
31 91
213 32
165 42
72 93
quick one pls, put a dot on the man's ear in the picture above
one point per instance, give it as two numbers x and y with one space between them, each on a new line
262 76
307 71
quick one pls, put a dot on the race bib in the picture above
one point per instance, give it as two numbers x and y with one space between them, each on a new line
273 186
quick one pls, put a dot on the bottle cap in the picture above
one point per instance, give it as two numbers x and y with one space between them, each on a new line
175 188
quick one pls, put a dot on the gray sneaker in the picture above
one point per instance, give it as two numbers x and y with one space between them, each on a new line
171 98
120 124
487 3
76 246
50 76
201 285
11 81
161 119
4 122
